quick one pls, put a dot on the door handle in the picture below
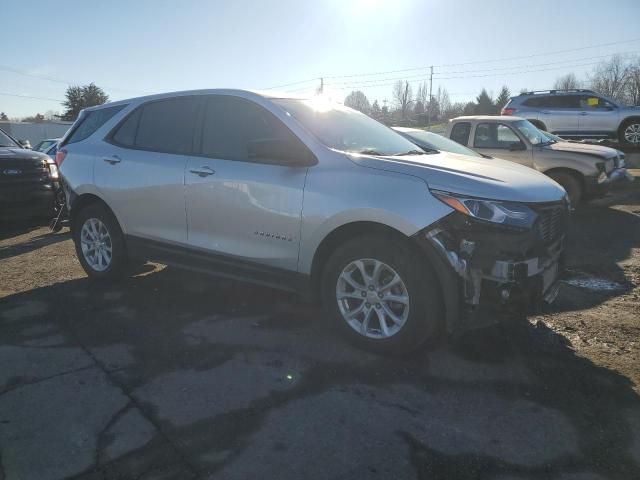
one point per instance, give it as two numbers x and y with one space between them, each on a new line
113 159
584 113
203 171
545 112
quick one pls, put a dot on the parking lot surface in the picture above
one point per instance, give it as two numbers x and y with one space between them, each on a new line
175 375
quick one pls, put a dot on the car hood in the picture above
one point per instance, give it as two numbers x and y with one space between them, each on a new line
474 176
14 153
584 148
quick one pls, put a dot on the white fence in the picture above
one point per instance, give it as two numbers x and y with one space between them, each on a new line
34 132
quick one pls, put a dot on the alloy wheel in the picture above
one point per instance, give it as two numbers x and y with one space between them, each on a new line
96 244
632 133
372 298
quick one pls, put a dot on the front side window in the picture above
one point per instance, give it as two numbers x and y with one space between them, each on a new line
529 130
590 102
494 135
460 133
231 124
91 121
344 129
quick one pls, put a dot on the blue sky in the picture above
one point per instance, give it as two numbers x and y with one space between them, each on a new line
135 47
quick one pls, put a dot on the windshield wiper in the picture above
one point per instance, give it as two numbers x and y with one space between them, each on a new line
369 151
415 152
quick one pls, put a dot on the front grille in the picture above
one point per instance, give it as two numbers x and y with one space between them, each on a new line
551 222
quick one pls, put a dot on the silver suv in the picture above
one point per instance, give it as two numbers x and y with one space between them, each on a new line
577 114
312 197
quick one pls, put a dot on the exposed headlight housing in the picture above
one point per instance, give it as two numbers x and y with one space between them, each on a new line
53 169
504 213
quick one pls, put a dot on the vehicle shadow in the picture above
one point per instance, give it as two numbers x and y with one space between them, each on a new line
599 238
34 243
509 400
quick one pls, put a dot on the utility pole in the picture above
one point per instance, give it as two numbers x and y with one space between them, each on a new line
430 97
321 89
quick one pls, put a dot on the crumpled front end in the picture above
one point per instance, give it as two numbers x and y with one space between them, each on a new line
499 268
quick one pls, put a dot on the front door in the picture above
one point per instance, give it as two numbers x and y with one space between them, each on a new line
598 117
246 211
501 141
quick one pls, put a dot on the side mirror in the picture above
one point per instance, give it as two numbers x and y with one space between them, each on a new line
25 144
517 146
281 152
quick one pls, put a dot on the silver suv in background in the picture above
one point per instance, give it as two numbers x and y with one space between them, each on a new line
577 114
310 196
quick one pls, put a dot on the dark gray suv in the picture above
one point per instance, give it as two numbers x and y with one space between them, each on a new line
578 114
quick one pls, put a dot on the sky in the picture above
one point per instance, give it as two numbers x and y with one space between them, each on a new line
133 48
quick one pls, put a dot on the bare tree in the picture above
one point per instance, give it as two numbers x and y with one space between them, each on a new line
633 85
567 82
358 101
442 99
403 96
610 78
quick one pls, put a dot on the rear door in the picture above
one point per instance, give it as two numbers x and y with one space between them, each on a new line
140 168
501 141
244 210
560 114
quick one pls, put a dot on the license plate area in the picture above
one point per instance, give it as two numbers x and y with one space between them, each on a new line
549 277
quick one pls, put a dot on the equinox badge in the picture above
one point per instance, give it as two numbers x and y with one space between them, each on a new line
12 171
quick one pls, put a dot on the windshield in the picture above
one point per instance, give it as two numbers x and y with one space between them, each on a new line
438 142
535 136
44 145
342 128
6 141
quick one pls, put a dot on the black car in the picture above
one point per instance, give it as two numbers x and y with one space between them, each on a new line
29 182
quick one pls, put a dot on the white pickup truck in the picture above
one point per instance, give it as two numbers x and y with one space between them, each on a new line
585 171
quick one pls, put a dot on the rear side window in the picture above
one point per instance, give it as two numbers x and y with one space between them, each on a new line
231 123
460 133
92 121
553 101
164 126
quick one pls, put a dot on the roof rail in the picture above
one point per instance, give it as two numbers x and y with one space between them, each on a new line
559 90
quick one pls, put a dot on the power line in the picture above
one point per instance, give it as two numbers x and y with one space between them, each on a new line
443 75
7 68
291 84
383 82
30 96
425 68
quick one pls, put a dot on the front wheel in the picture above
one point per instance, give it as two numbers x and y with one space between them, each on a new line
572 186
99 242
379 296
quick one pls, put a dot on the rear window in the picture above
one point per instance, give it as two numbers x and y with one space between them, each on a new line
92 121
553 101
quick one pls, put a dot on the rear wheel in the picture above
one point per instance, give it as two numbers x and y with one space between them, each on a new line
99 242
571 184
377 295
630 132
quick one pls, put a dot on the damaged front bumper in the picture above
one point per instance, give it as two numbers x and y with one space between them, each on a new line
498 269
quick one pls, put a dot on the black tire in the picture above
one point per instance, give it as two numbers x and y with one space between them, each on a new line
623 127
571 184
425 306
118 262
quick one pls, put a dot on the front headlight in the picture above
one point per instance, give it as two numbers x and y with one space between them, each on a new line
494 211
53 169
